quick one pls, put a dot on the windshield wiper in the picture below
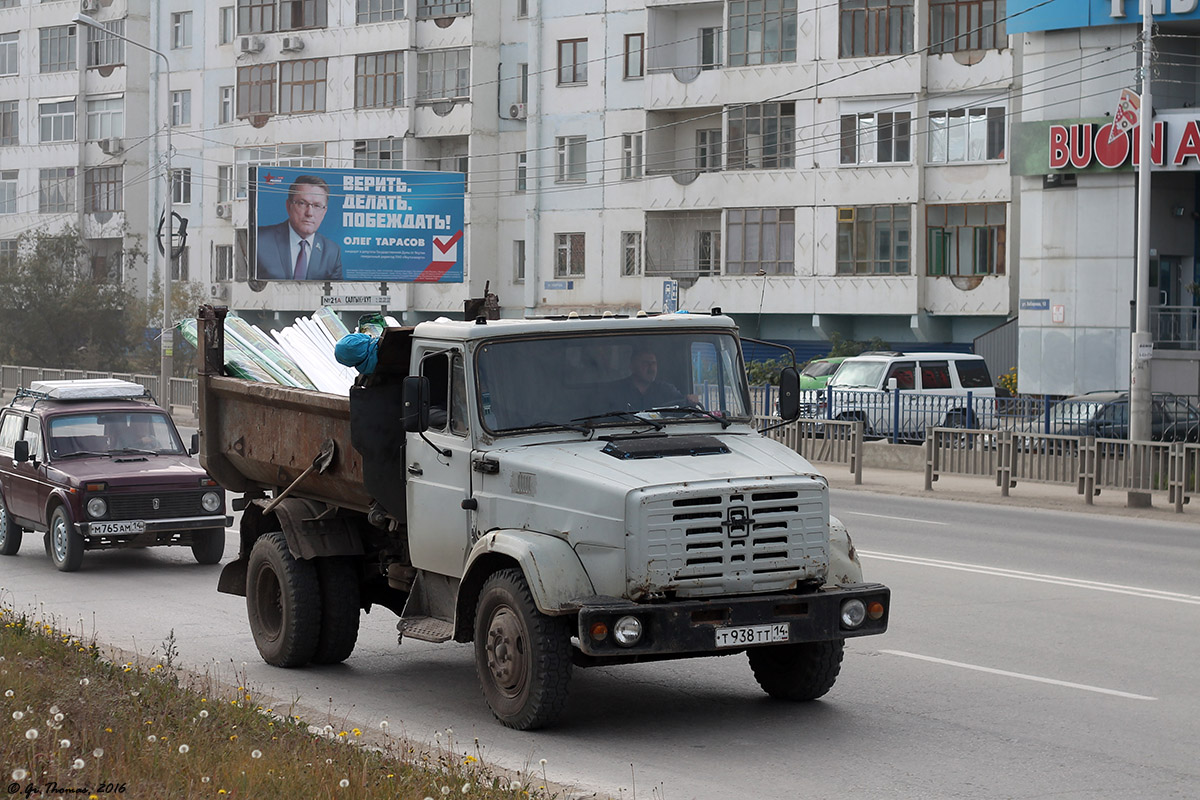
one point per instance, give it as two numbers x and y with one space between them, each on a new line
626 415
566 425
81 453
725 423
132 451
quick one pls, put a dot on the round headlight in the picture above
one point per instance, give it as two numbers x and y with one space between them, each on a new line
96 507
853 613
627 631
211 501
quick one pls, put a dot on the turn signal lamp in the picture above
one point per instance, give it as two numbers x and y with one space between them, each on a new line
875 609
599 631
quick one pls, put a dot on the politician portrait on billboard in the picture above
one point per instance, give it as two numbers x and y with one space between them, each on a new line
319 224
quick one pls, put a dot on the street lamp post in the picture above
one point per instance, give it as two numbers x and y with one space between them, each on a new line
167 337
1139 369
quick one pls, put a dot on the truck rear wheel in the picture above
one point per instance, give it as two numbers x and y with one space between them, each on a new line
797 671
340 610
283 602
208 546
522 656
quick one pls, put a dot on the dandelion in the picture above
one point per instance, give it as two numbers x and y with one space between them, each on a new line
77 764
203 713
84 682
343 783
445 791
256 753
64 743
183 748
233 738
329 761
53 709
152 738
466 788
514 786
98 752
31 734
58 717
134 693
18 715
356 732
9 693
19 774
205 779
383 725
542 762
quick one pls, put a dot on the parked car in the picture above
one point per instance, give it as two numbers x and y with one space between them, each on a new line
1105 415
95 464
817 372
942 389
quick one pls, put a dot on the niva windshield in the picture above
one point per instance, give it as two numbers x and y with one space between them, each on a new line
606 379
112 433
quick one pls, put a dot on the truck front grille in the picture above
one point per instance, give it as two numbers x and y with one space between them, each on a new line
141 505
730 541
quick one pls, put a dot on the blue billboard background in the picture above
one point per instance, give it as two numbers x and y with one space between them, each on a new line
1039 15
386 225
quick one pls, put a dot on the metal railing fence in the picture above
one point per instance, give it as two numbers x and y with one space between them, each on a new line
182 390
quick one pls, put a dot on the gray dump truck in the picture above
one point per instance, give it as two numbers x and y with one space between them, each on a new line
521 485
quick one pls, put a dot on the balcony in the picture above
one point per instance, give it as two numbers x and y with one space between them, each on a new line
1175 327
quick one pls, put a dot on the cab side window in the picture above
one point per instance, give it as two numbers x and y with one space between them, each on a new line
32 433
10 431
904 373
447 393
935 375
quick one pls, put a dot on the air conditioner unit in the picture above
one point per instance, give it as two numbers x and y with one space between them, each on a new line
516 111
112 145
224 210
89 6
219 291
250 44
292 44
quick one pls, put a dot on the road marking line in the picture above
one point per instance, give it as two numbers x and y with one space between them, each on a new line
898 519
1022 676
1115 588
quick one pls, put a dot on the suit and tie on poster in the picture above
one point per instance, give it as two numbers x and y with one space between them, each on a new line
317 224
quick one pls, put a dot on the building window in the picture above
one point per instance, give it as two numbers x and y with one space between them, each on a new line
762 136
379 153
179 265
568 259
8 247
518 261
304 154
56 51
379 11
966 240
966 134
255 16
8 192
880 138
9 64
181 30
572 159
256 90
56 121
102 189
427 9
760 239
762 32
522 9
379 80
710 48
181 186
228 107
960 25
181 107
226 30
631 249
572 62
873 240
103 47
224 183
222 263
708 150
299 14
9 123
523 85
302 86
56 190
635 55
444 74
708 252
876 28
522 171
105 118
631 156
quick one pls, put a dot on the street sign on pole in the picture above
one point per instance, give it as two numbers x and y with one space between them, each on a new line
670 300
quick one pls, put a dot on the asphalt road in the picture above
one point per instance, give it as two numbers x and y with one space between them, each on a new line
1031 654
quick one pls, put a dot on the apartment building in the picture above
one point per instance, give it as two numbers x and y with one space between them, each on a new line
812 169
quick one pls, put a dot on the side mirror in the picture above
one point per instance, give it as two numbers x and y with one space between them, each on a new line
415 399
20 451
891 384
789 394
195 446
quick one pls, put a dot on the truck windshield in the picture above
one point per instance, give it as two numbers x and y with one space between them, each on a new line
584 381
112 433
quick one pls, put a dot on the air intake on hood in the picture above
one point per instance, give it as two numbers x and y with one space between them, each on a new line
665 446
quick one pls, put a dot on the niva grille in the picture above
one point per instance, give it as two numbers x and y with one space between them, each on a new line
735 541
141 506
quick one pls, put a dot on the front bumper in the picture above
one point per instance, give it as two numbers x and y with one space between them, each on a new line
689 626
157 531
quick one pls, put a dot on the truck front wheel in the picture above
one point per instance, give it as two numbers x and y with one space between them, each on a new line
522 656
797 671
283 602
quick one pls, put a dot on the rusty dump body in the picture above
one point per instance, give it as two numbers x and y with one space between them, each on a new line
258 437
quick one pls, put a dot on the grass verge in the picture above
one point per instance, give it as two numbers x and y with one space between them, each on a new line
75 724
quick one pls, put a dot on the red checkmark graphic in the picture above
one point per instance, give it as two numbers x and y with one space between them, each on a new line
453 241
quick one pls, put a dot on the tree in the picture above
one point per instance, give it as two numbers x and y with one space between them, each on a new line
55 313
186 297
841 346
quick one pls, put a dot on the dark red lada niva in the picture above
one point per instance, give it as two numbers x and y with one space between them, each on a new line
95 464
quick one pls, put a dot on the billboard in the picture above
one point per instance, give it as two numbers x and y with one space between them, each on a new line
319 224
1049 15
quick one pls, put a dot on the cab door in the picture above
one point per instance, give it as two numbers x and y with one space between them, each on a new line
438 467
27 489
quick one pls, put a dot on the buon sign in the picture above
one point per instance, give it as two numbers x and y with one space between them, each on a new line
1078 145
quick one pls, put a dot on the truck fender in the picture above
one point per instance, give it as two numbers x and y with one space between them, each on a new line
556 577
844 566
311 532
